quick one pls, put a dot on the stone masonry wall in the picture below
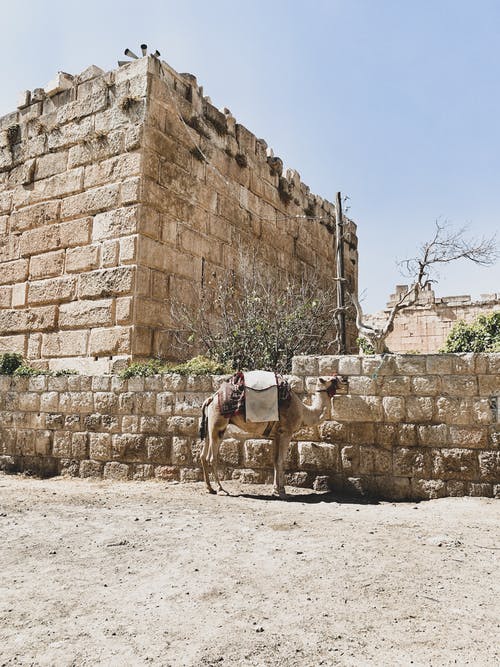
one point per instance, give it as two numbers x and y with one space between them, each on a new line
70 170
409 427
208 214
109 212
423 328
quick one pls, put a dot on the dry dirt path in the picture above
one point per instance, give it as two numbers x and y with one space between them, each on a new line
100 573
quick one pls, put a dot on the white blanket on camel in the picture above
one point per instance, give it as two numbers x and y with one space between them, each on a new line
261 396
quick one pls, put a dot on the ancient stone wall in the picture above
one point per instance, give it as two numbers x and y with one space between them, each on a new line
121 192
69 191
424 327
409 427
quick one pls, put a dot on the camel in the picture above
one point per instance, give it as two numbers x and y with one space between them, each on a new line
292 415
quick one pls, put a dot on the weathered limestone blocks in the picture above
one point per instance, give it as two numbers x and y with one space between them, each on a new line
148 427
101 174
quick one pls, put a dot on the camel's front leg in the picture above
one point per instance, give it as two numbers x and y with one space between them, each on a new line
280 449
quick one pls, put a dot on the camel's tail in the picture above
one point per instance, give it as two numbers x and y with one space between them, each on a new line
204 419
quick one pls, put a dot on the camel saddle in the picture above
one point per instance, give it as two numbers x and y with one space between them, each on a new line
254 394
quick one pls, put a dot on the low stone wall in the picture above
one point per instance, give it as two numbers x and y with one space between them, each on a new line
409 427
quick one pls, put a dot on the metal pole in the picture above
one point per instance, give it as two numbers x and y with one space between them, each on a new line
339 252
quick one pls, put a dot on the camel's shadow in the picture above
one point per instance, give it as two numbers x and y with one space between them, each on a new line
311 498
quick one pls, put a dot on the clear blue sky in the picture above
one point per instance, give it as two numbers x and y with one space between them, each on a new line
394 102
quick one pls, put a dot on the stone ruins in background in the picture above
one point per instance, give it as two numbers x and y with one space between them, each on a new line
424 327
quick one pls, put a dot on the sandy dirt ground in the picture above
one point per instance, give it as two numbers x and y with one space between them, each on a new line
149 573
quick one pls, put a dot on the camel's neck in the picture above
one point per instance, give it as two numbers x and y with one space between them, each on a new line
313 413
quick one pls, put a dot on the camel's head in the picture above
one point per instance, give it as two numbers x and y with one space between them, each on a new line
330 384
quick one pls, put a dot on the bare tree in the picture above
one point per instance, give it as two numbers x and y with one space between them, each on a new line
447 245
252 319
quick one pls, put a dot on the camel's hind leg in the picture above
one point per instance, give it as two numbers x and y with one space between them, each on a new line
215 459
206 434
205 465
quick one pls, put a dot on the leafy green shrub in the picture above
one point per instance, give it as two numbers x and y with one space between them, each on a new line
28 371
365 346
142 369
9 361
197 366
482 335
25 370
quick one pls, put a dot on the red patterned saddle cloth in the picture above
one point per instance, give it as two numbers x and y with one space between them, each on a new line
231 394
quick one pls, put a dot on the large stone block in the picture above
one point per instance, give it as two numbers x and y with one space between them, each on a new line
117 471
467 436
410 364
76 402
394 408
105 402
109 341
483 411
129 447
53 237
349 365
459 385
349 458
428 489
89 313
461 464
52 290
229 452
106 282
34 216
50 164
64 344
373 459
357 408
489 385
181 451
453 410
84 258
94 102
91 469
386 435
25 442
489 466
411 461
70 134
439 364
321 456
153 313
419 408
258 453
90 202
13 272
429 385
47 265
114 169
59 185
362 385
5 296
30 319
433 435
305 365
158 449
